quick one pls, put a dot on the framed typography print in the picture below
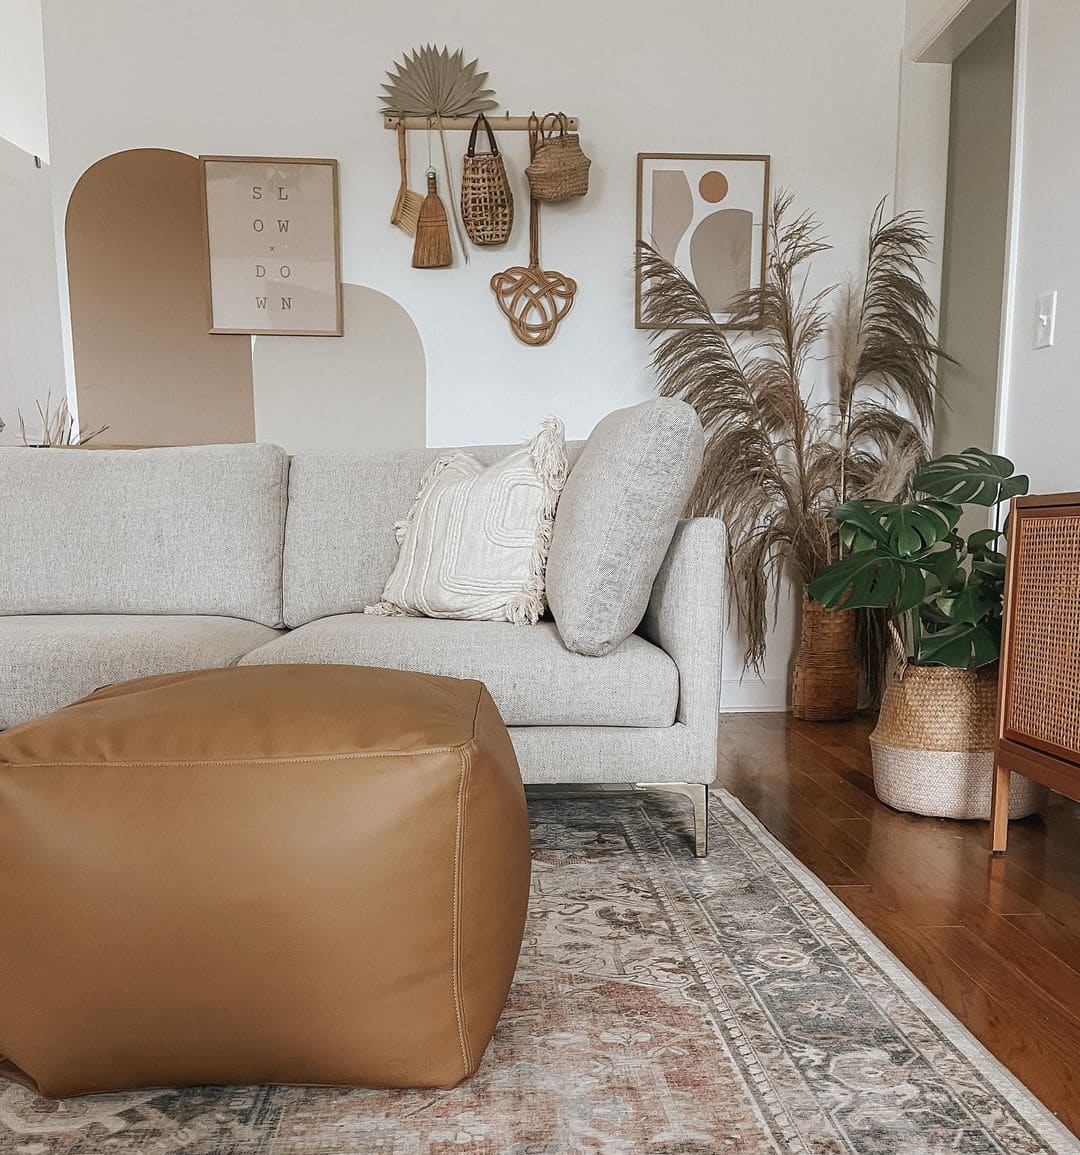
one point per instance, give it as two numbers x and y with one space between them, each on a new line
707 214
272 245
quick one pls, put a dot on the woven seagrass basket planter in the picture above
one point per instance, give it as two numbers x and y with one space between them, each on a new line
933 745
825 678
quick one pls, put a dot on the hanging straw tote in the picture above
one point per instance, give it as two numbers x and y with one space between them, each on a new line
487 204
559 170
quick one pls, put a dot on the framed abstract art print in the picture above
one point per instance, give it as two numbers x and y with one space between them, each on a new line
706 213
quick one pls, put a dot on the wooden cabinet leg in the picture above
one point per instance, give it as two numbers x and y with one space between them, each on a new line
999 810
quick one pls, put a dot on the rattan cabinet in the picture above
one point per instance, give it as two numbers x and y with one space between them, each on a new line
1038 733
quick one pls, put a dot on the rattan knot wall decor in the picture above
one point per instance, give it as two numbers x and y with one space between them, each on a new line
534 300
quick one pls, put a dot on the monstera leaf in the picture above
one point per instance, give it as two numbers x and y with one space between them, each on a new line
963 645
860 524
943 566
916 527
906 531
983 543
869 579
893 550
974 604
908 559
973 477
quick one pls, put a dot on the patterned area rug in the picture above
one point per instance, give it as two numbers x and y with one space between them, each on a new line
663 1005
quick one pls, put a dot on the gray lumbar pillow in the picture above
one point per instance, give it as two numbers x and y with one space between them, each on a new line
616 518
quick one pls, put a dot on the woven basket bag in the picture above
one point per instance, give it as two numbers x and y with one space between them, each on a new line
933 745
825 679
487 204
559 169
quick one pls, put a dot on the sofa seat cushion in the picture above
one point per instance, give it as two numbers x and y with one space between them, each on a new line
49 661
534 679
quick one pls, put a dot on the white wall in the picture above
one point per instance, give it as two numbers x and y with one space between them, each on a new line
815 85
1041 422
922 162
31 360
921 13
977 217
22 77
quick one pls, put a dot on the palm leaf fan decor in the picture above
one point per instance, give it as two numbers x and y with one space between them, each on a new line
431 81
436 83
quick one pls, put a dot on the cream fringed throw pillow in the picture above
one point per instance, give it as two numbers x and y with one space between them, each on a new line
476 542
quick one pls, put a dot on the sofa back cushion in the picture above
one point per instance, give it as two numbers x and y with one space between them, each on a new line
340 547
616 519
195 530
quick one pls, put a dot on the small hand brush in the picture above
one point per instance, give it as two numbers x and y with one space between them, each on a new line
407 205
432 247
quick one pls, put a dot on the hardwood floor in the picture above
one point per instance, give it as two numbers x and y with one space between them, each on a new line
997 940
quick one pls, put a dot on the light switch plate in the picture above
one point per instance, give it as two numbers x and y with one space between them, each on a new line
1045 320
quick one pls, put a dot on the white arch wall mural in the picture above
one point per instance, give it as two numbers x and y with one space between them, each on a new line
365 391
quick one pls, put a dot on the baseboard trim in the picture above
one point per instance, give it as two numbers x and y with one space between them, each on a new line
753 695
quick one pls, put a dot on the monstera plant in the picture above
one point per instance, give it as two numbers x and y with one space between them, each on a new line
943 591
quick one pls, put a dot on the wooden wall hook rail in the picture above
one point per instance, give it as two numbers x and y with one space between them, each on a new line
504 123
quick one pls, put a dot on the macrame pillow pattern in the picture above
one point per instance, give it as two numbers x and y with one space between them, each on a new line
475 543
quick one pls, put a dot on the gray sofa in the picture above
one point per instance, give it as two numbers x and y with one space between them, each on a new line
121 564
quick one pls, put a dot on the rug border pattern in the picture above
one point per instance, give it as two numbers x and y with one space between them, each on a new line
1035 1113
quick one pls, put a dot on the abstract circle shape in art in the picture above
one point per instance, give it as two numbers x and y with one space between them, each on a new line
713 187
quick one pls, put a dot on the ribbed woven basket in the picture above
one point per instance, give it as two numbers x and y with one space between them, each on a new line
559 169
825 678
933 745
487 204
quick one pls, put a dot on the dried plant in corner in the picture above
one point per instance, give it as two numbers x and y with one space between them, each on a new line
791 434
436 83
57 428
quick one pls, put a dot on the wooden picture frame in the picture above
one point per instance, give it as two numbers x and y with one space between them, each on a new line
737 181
246 249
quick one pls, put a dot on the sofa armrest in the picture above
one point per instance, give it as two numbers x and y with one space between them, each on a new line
686 617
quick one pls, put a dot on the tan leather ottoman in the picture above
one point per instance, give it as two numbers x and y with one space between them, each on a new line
264 874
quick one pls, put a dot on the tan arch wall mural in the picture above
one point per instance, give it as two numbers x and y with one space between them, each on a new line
364 392
145 363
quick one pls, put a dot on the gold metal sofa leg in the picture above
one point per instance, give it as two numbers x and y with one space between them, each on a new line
699 798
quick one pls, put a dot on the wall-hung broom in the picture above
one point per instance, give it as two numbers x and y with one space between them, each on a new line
407 205
432 247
